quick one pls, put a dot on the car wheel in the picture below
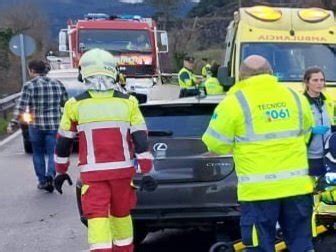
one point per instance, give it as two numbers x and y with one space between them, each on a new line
221 247
79 202
140 233
27 147
325 241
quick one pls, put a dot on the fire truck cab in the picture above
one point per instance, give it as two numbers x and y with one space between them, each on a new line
134 41
292 39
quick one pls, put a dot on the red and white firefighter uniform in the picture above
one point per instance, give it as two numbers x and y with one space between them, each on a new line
111 131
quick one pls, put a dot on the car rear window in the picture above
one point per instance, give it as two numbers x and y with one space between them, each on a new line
182 120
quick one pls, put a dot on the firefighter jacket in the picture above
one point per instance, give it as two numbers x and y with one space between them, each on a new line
266 126
186 78
111 131
213 87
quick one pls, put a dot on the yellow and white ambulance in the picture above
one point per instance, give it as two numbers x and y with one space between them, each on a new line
292 39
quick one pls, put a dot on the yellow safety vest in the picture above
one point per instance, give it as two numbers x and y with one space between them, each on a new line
206 70
266 125
213 87
186 83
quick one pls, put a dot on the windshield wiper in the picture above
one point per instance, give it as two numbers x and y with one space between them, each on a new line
160 133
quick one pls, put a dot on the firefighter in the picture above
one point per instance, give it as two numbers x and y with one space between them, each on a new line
187 79
266 126
108 123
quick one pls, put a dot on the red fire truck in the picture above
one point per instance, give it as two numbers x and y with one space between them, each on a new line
134 41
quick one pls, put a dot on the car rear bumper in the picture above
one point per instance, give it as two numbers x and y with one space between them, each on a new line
187 217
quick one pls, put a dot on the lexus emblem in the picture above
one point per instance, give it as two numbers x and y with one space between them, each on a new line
160 147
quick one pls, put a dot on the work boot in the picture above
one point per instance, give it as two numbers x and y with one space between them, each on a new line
42 185
50 184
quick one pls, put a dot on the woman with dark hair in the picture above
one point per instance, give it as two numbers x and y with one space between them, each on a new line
322 107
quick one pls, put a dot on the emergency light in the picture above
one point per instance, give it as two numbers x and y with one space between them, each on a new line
264 13
313 15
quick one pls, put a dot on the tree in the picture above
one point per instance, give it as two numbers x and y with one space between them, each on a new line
21 17
166 9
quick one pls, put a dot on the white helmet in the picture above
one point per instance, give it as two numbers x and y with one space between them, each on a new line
99 70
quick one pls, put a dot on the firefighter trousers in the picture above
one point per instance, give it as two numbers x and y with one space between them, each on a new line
106 205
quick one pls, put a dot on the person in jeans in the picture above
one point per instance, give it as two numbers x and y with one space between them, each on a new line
266 126
43 99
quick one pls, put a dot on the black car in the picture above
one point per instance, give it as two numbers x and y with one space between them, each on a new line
195 188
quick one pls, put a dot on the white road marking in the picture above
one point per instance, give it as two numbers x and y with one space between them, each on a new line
10 138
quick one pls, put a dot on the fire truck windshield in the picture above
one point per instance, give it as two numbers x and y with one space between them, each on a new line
115 40
290 60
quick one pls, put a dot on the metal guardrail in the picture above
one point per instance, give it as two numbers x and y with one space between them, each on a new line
8 103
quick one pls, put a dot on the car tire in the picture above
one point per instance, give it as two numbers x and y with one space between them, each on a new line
27 146
324 242
221 247
140 233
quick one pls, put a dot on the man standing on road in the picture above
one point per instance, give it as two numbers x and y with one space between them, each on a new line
111 130
266 126
186 78
42 99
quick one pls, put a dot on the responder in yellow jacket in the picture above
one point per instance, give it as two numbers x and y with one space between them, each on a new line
212 85
187 79
205 71
266 126
111 130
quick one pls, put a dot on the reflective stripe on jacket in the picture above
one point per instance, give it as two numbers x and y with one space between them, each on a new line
266 126
105 123
323 115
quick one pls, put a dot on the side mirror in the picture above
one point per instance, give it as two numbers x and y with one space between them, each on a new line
81 47
162 41
63 41
223 77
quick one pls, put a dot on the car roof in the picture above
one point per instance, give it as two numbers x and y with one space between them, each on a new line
210 99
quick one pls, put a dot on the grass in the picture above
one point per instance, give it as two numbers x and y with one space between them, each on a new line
3 126
4 122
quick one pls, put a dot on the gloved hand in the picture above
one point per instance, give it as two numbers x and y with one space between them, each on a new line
148 183
326 182
330 178
59 180
320 130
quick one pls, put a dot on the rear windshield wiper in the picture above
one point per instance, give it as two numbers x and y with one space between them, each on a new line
160 133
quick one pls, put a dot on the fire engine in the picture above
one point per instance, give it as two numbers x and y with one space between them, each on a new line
134 41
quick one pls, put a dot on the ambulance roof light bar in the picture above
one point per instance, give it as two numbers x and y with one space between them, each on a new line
313 15
264 13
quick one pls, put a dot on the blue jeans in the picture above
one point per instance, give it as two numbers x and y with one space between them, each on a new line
294 214
43 143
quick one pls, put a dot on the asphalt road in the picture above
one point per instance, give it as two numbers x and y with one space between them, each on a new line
32 220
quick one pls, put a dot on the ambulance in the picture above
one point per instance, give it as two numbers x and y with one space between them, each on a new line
292 39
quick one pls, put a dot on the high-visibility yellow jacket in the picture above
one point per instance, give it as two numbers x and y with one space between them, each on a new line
111 131
186 78
206 70
237 86
266 126
213 87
